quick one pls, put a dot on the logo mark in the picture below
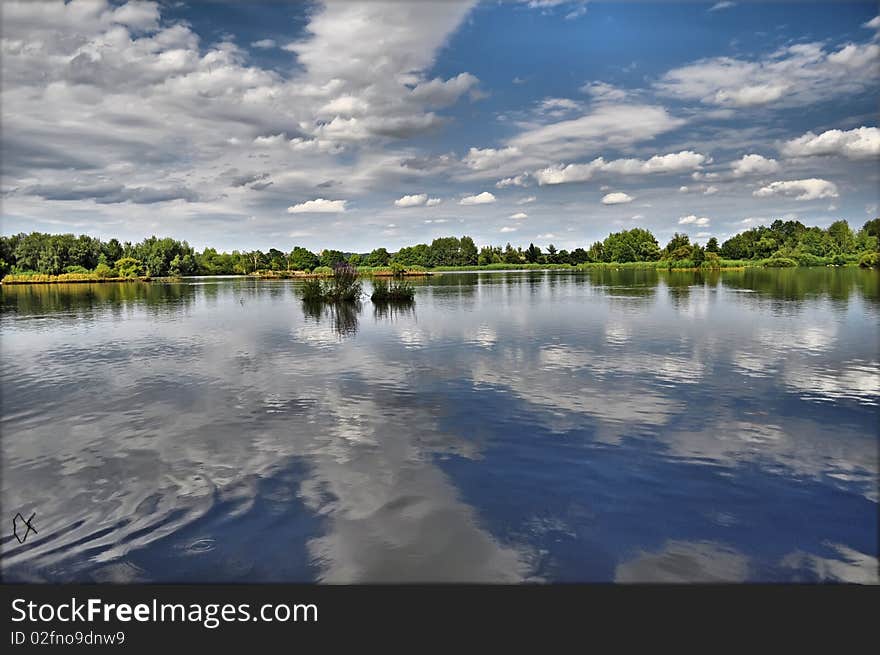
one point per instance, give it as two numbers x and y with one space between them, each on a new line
16 528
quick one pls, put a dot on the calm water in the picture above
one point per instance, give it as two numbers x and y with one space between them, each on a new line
530 426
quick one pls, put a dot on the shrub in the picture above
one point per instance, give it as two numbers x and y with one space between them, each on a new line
809 259
129 267
313 290
343 286
870 260
76 269
102 270
779 262
395 292
322 270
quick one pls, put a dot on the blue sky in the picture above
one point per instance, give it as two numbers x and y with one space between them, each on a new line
352 126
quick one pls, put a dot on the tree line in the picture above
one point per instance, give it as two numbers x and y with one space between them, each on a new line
54 254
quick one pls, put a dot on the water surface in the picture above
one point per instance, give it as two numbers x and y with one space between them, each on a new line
530 426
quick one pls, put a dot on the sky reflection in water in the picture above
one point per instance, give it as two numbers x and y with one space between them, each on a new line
618 425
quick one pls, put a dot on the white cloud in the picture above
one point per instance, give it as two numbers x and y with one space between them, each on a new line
710 190
724 4
754 165
693 220
412 201
616 198
608 125
480 160
139 16
669 163
264 44
318 206
508 228
519 180
604 92
873 24
479 199
808 189
683 189
858 143
526 200
519 215
548 235
795 75
433 202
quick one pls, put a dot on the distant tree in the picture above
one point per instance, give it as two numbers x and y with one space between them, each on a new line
512 255
379 257
129 267
676 242
468 254
332 257
302 259
532 253
712 245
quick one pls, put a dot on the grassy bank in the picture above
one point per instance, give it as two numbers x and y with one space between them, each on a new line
67 278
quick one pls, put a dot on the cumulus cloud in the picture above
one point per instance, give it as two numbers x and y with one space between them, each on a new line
754 165
480 199
526 200
694 220
508 228
318 206
433 202
873 24
412 201
616 198
808 189
858 143
480 160
264 44
670 163
519 215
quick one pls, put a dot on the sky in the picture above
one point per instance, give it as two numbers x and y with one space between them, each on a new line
358 125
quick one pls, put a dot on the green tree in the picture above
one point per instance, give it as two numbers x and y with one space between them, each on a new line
379 257
129 267
532 253
302 259
712 246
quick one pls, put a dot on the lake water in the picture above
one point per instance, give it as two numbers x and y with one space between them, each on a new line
525 426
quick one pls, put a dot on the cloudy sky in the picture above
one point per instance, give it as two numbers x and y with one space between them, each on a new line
354 126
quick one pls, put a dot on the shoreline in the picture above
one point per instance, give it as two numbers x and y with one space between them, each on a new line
71 278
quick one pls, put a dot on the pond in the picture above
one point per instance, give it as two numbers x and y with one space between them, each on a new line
629 426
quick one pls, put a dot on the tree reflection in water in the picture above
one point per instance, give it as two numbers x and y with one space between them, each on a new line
343 316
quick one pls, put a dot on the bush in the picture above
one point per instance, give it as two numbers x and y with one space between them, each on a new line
313 290
129 267
712 261
76 269
395 292
870 260
322 270
779 262
104 271
839 260
343 286
809 259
